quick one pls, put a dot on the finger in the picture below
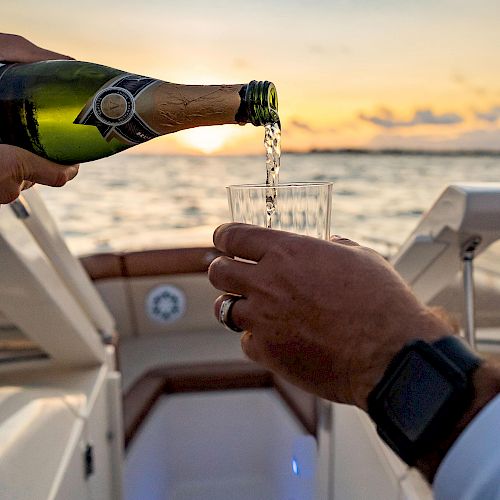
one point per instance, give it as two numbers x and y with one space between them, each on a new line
231 276
39 170
249 346
15 48
9 192
245 240
343 241
240 313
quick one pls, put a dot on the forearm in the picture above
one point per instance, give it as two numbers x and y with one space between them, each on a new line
486 382
342 329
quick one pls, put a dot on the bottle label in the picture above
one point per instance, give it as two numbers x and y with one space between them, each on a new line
113 110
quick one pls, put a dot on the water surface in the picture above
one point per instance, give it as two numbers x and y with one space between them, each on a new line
130 202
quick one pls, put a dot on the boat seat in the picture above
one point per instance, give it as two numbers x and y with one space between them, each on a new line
192 352
139 355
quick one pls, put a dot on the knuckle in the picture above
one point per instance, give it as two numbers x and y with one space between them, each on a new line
284 252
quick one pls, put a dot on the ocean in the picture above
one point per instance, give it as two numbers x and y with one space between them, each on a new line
132 202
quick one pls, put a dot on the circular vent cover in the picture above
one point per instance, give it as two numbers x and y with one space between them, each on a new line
166 304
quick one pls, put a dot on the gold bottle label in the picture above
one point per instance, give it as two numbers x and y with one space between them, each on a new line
135 109
113 110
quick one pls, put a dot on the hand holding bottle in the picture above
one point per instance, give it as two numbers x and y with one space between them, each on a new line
20 169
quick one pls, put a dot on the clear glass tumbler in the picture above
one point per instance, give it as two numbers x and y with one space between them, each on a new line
300 207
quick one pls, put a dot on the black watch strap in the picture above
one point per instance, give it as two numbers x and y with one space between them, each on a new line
423 393
458 352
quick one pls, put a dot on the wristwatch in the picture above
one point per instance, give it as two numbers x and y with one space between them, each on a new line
423 394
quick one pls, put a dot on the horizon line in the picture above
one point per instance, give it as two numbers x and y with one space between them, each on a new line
353 151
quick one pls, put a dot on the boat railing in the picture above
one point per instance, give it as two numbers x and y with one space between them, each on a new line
463 222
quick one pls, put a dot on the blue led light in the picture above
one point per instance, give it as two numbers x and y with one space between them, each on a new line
295 466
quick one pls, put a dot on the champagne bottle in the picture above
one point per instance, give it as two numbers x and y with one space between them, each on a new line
73 111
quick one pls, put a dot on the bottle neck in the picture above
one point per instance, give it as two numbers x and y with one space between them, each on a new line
259 103
171 107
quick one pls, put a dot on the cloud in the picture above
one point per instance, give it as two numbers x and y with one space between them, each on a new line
467 85
386 119
302 126
296 124
489 116
477 140
427 116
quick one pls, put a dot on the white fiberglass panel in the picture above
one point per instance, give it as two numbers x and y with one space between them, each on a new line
35 299
216 445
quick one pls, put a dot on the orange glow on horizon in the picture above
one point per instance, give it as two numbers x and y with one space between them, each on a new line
206 140
349 74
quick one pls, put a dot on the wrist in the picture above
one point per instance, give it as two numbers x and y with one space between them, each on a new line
486 385
425 326
429 393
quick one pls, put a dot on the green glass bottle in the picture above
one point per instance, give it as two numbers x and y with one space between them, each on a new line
73 111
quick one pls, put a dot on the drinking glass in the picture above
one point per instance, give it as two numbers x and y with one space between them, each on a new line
300 207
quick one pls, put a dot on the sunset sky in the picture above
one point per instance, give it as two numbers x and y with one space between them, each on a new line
366 74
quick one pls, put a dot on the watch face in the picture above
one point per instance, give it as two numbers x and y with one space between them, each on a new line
416 396
421 396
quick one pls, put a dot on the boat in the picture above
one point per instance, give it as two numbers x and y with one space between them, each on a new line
117 382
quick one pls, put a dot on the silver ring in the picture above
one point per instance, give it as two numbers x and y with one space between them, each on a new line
225 313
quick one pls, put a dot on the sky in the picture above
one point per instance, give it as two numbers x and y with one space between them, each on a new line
421 74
